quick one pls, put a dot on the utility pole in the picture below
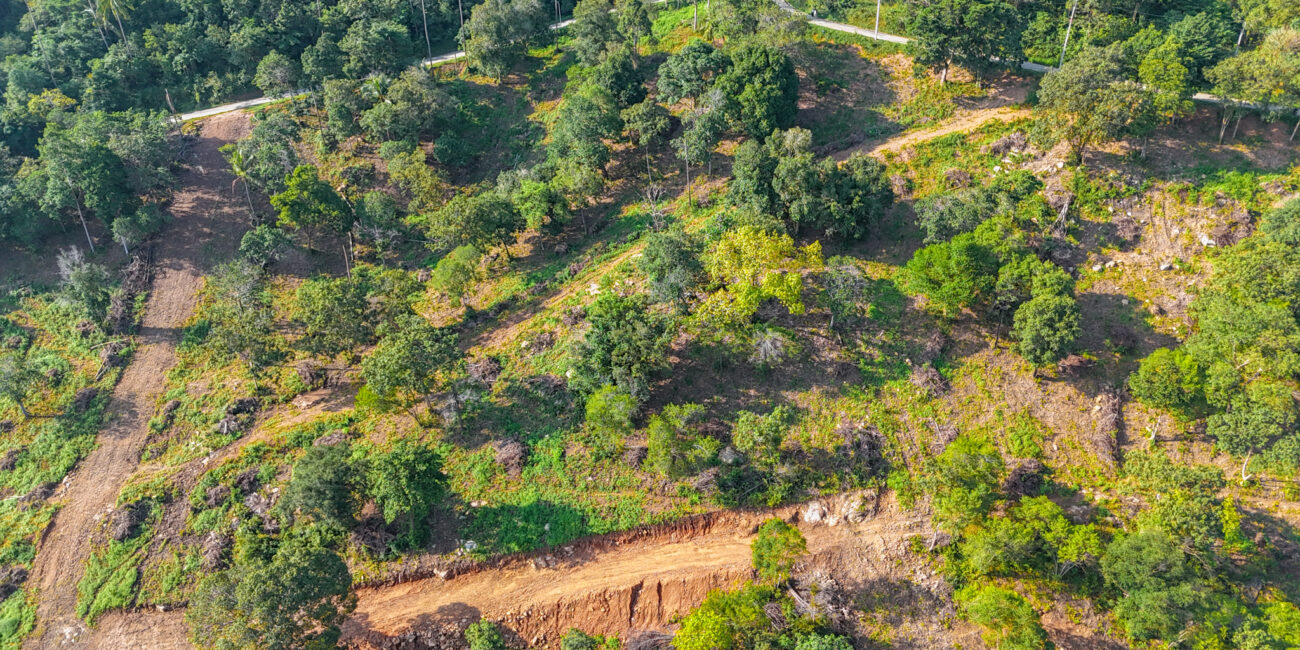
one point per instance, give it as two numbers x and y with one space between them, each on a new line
877 19
1068 28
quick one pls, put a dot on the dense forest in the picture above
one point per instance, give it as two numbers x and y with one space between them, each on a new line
974 352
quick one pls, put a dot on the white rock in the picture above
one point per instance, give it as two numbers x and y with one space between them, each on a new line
1124 302
1060 164
1166 266
997 168
1206 241
470 545
814 512
593 289
1097 267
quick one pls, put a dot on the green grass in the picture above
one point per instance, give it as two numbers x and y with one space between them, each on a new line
111 574
17 619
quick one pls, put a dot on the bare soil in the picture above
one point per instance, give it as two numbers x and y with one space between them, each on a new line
204 230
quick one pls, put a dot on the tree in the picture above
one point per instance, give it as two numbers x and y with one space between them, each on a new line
608 421
762 88
963 483
1169 379
593 30
618 75
1009 621
1282 224
759 437
323 487
702 130
671 261
944 216
843 293
586 119
17 378
625 347
84 283
776 549
455 271
484 635
857 194
675 446
647 124
333 313
375 47
1160 591
263 245
309 203
410 360
499 32
406 481
634 20
749 266
277 75
1086 99
954 275
297 598
752 171
481 220
975 34
1047 327
690 72
541 205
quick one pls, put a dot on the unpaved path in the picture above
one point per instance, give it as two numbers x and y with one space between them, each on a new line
205 229
609 588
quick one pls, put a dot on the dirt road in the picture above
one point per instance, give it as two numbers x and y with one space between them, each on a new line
207 224
602 586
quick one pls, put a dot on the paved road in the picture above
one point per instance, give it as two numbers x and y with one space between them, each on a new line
839 27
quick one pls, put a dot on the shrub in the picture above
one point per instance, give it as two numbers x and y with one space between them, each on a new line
776 549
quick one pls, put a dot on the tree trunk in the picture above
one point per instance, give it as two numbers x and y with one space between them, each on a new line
249 195
1244 476
1236 125
943 76
81 215
695 21
1295 128
1223 124
424 17
22 408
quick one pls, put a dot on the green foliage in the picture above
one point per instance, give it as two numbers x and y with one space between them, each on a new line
761 89
626 346
954 275
484 220
334 315
499 32
968 33
609 413
309 203
1046 328
585 120
84 284
963 482
410 360
324 488
406 481
17 619
455 272
295 596
776 549
1086 100
593 30
1159 590
1009 621
944 216
760 436
109 581
749 266
675 445
690 72
541 205
671 261
263 245
484 635
1282 224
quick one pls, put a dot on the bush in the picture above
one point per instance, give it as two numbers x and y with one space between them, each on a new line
675 446
776 549
609 418
1008 619
1169 379
484 635
626 346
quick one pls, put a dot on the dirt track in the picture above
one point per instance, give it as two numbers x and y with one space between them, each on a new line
201 233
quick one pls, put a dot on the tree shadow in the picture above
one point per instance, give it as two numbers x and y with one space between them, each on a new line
526 409
1117 331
